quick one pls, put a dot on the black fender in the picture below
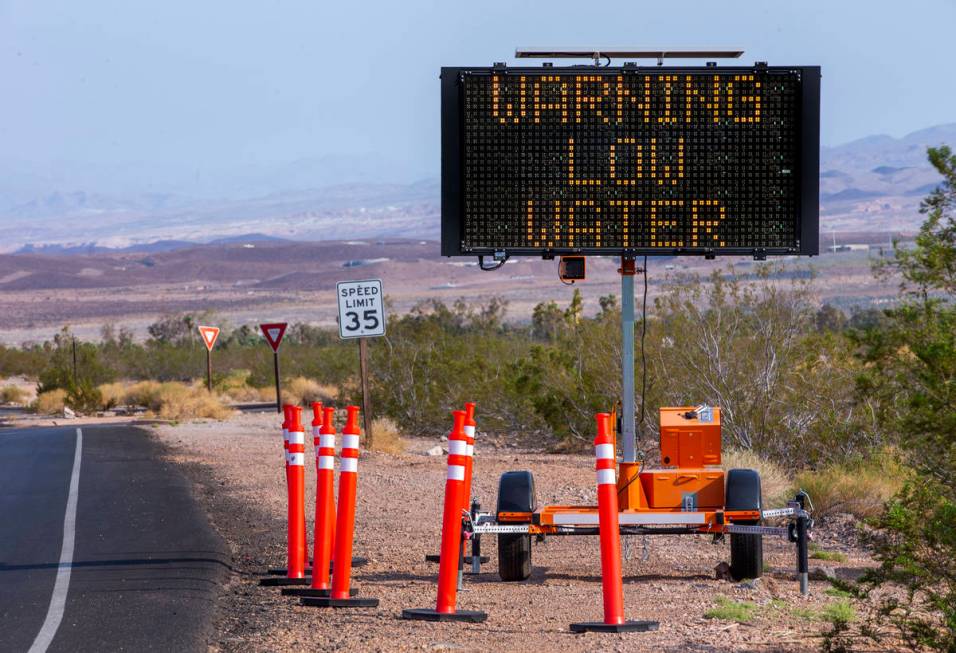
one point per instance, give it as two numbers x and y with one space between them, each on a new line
516 492
743 490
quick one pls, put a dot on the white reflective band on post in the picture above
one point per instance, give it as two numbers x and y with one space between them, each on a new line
470 450
296 437
456 473
315 431
604 451
350 441
297 459
605 477
349 464
470 431
286 454
285 435
327 441
327 462
457 447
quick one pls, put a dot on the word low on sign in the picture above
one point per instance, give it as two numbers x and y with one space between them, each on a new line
361 308
601 160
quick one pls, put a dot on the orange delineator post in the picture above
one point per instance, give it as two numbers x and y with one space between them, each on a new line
288 574
612 582
451 540
340 596
324 502
469 431
296 458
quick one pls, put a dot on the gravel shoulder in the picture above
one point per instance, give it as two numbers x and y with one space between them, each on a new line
237 468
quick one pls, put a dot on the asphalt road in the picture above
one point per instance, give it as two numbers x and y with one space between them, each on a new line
146 566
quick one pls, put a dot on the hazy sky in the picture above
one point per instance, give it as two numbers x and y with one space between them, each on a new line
154 92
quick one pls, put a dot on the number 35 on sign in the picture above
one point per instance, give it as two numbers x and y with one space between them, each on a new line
361 308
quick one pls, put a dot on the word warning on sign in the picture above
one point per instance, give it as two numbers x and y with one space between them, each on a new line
361 308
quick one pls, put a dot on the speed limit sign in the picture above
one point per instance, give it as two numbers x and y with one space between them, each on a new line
361 308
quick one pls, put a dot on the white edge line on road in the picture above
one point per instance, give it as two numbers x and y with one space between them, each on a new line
58 600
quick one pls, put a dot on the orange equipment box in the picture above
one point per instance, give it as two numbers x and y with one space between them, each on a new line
689 442
683 489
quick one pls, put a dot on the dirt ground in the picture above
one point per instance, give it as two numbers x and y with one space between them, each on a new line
238 470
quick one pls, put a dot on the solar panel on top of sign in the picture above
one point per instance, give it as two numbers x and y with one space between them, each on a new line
614 160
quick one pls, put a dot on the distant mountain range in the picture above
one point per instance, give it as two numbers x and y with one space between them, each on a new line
871 184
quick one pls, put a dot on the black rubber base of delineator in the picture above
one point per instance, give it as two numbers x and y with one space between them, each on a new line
626 627
308 591
282 571
427 614
437 558
282 581
329 602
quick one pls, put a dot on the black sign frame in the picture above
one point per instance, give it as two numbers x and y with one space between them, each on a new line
452 164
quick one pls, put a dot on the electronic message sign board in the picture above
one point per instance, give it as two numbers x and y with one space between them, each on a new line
630 160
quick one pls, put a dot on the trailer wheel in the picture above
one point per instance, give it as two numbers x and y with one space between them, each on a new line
746 555
515 494
514 556
746 550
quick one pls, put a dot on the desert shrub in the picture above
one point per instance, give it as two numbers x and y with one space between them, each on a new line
248 393
860 487
386 436
302 392
177 401
775 483
436 358
84 397
143 393
112 395
50 402
91 369
749 345
12 394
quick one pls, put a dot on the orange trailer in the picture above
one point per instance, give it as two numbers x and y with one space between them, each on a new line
688 494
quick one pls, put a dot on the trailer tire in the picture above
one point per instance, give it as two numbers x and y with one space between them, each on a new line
515 494
514 556
746 550
746 555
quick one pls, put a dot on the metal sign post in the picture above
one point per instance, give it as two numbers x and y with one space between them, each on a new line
628 429
362 315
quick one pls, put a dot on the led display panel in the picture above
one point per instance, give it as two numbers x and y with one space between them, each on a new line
602 160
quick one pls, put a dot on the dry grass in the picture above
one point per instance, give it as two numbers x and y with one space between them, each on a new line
113 394
861 488
246 393
301 391
176 401
387 438
50 403
775 484
13 394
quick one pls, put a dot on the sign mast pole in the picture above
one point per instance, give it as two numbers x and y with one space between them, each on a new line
628 430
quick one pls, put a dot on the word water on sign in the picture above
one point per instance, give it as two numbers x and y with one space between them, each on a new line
361 308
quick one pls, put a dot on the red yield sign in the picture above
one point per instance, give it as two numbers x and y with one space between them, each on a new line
209 335
273 333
